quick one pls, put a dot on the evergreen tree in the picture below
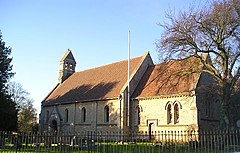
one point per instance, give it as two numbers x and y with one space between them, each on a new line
8 111
5 65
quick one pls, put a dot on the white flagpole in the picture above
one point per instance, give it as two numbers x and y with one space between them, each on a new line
128 104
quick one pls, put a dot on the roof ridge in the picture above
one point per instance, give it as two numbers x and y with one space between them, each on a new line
96 83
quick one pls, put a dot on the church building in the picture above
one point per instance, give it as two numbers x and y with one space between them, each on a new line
159 98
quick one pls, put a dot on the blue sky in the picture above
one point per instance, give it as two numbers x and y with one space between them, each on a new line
41 31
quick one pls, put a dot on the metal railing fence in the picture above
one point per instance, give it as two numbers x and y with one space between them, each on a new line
111 142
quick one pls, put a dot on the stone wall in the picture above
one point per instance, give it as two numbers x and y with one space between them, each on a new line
154 111
208 102
94 116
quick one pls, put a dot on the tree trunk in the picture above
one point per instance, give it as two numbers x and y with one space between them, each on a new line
226 105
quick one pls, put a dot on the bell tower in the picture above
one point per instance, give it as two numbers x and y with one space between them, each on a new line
67 66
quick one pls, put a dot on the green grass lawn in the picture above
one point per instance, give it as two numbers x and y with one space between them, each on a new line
113 148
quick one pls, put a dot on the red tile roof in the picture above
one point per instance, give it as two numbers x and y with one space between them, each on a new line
97 83
169 78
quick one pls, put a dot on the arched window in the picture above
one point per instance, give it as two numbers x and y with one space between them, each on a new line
176 113
169 114
83 114
209 109
138 111
106 114
138 115
66 115
47 116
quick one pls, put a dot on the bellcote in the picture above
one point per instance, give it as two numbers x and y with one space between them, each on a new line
67 66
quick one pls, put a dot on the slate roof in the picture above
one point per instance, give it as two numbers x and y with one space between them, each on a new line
97 83
169 78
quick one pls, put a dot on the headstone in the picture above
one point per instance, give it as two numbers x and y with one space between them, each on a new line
238 123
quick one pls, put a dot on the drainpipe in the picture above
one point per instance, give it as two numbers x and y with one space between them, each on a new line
74 120
120 117
96 116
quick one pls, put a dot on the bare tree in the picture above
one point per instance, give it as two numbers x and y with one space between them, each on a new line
19 95
214 30
27 116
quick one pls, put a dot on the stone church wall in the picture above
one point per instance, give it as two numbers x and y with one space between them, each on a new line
154 111
208 102
73 122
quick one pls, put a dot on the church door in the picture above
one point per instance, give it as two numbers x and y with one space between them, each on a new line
54 126
151 130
